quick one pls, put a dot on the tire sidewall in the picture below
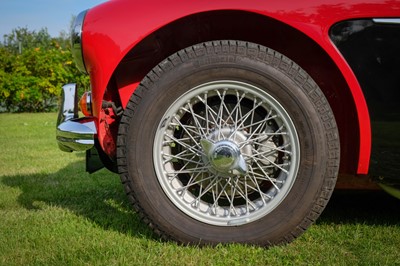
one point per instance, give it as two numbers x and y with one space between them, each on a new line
170 85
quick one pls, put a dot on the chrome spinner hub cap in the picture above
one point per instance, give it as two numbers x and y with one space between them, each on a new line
224 157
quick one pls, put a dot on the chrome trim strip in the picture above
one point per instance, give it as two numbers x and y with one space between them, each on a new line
391 189
76 41
387 20
89 102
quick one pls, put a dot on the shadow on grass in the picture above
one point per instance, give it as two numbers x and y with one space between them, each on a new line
99 197
362 207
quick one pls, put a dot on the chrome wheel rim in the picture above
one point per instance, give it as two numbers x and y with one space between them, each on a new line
226 153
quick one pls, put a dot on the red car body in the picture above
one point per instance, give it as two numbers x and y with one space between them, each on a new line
105 45
123 40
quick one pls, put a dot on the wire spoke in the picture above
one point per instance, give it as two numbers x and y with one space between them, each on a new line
187 132
183 144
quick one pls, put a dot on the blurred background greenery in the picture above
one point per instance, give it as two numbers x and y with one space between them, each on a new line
33 68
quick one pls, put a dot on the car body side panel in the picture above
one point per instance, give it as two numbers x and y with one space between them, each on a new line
112 29
372 49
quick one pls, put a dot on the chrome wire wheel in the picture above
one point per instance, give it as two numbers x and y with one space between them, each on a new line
226 153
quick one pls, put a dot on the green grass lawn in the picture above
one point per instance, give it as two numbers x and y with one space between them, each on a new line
53 213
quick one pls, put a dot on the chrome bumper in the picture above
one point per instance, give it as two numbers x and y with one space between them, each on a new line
73 133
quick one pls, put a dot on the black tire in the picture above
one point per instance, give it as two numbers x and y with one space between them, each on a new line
197 180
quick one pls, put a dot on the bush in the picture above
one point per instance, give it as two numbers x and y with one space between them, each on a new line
32 73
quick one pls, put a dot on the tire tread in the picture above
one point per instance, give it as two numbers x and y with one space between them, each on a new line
261 54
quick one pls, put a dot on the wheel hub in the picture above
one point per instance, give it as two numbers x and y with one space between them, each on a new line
224 157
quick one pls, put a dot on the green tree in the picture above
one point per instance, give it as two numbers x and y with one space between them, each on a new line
21 38
33 68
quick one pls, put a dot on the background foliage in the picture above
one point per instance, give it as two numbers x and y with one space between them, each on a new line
33 68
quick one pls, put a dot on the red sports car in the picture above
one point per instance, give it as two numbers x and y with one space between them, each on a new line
230 120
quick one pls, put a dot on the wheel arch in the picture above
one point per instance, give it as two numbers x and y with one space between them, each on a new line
252 27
